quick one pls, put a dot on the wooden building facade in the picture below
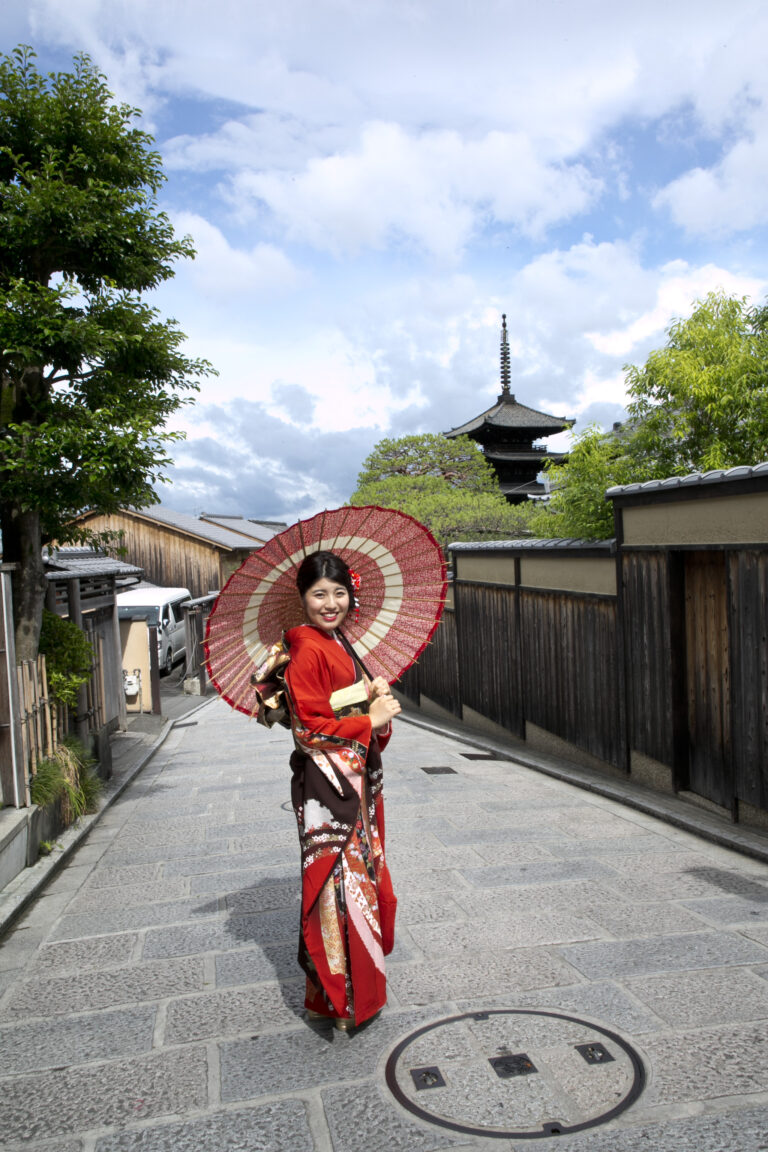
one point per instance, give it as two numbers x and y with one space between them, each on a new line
694 573
177 550
646 655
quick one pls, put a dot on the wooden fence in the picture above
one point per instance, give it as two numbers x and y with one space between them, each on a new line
43 723
522 656
95 689
31 724
646 655
436 674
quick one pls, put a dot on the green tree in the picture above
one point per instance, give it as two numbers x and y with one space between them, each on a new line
577 506
701 402
459 462
407 474
89 372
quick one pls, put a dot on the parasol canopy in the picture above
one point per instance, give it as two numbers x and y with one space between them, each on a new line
399 602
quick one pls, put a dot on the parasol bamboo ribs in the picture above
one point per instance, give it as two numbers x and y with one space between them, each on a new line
301 537
372 650
359 526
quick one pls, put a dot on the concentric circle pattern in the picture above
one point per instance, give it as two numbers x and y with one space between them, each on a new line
401 596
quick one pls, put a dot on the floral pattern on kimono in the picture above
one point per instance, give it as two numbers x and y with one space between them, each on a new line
348 904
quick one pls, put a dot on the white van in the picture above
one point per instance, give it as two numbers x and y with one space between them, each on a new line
160 607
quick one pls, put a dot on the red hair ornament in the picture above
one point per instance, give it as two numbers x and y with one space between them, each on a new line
357 580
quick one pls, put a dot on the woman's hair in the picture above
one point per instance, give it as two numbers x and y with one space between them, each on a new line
324 566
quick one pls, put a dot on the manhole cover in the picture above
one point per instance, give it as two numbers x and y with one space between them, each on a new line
515 1074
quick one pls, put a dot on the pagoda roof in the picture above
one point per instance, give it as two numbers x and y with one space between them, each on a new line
524 455
507 413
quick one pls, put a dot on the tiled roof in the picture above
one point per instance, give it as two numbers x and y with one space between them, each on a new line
694 479
68 563
507 413
553 544
194 526
259 530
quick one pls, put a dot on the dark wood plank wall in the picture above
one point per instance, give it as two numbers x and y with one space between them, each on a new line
409 683
570 669
748 578
168 559
487 645
708 679
696 673
647 635
438 666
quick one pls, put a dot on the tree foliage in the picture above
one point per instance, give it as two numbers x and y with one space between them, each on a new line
578 507
458 462
89 372
451 512
699 403
69 657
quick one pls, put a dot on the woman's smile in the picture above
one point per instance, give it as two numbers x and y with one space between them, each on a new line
326 604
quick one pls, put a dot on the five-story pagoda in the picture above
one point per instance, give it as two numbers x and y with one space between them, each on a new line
508 434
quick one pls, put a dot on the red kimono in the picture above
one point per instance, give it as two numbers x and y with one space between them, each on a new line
348 905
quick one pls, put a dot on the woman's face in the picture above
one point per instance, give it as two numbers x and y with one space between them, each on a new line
326 603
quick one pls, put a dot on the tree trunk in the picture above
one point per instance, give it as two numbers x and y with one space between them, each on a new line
22 546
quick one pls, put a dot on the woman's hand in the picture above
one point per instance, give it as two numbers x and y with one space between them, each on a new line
378 687
382 710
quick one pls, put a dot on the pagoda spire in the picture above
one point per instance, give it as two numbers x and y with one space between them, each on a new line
506 394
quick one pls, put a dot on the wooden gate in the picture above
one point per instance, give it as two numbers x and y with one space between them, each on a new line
708 677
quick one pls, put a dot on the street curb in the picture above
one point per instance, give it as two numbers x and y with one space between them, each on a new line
668 808
23 889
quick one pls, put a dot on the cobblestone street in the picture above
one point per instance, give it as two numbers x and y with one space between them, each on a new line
150 998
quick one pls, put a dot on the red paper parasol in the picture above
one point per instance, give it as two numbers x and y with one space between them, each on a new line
402 592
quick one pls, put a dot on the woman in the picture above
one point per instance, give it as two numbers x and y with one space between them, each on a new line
340 721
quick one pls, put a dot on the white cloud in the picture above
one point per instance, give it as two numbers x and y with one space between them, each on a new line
434 190
263 141
677 289
561 71
424 356
393 170
221 270
730 196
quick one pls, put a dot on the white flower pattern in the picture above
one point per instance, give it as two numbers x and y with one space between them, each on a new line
316 816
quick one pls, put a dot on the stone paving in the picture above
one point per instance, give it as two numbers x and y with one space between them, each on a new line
150 999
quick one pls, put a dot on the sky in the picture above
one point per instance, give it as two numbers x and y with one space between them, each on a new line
371 184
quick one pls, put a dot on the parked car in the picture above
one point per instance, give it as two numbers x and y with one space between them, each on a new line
160 607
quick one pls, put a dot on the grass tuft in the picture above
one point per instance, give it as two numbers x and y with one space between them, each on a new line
67 779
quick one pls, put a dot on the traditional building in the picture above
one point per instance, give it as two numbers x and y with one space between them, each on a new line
509 433
177 550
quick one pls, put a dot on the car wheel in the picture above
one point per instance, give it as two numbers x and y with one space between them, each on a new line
168 664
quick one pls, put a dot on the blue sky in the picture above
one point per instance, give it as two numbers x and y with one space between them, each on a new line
371 183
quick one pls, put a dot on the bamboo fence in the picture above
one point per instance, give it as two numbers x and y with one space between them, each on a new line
43 722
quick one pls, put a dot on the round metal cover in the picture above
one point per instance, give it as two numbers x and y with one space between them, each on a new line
515 1074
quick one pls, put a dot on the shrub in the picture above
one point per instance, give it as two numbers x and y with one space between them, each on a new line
68 655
